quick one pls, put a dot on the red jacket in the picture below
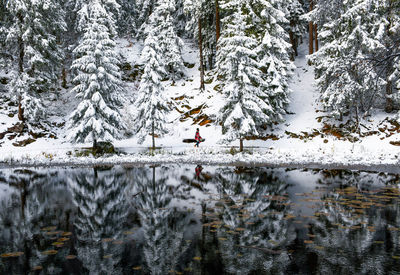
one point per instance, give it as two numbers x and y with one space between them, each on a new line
197 137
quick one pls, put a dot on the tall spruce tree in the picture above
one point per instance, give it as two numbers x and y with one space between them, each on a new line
98 82
255 69
32 42
348 83
161 23
152 108
203 30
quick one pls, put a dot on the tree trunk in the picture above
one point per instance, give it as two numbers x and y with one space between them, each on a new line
310 32
389 66
152 135
316 37
94 140
21 55
64 78
202 87
217 21
389 101
293 42
241 145
20 109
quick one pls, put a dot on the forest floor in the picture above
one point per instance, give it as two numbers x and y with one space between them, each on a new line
306 138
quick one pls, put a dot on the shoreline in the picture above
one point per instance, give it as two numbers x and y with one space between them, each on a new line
259 159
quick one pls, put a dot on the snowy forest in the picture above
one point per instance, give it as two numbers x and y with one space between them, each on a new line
62 56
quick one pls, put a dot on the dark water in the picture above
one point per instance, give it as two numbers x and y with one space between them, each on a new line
198 220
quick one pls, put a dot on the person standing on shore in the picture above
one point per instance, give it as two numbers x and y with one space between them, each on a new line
197 137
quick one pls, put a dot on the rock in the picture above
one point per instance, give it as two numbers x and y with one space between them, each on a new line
2 135
103 147
23 143
17 128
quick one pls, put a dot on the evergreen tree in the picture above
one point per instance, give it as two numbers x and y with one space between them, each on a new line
32 41
98 81
32 107
170 45
127 16
297 25
202 28
152 108
145 8
255 77
347 82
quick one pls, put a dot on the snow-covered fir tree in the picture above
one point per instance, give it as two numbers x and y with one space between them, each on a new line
37 26
296 26
145 9
201 26
31 105
150 116
348 83
98 83
32 46
255 77
169 44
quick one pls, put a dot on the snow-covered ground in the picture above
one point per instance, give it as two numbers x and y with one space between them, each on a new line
325 150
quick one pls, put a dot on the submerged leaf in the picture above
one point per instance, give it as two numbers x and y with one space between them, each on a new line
49 228
11 254
70 257
50 252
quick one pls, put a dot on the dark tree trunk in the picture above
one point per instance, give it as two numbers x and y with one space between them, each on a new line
152 136
389 67
202 87
293 42
21 54
316 37
217 21
389 101
64 78
241 145
94 141
310 32
20 109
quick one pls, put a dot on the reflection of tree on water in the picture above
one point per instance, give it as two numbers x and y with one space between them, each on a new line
99 196
163 227
39 199
252 219
357 230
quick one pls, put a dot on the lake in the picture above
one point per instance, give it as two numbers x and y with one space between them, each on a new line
188 219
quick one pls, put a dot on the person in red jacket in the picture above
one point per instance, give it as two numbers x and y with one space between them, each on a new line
197 137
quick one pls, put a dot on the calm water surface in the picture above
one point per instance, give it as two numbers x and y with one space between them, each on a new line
182 219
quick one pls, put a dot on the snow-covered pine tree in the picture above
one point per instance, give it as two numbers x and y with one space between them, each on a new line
97 81
128 14
387 60
273 51
347 81
152 108
38 25
32 40
203 30
297 24
237 63
145 8
170 45
255 68
32 107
